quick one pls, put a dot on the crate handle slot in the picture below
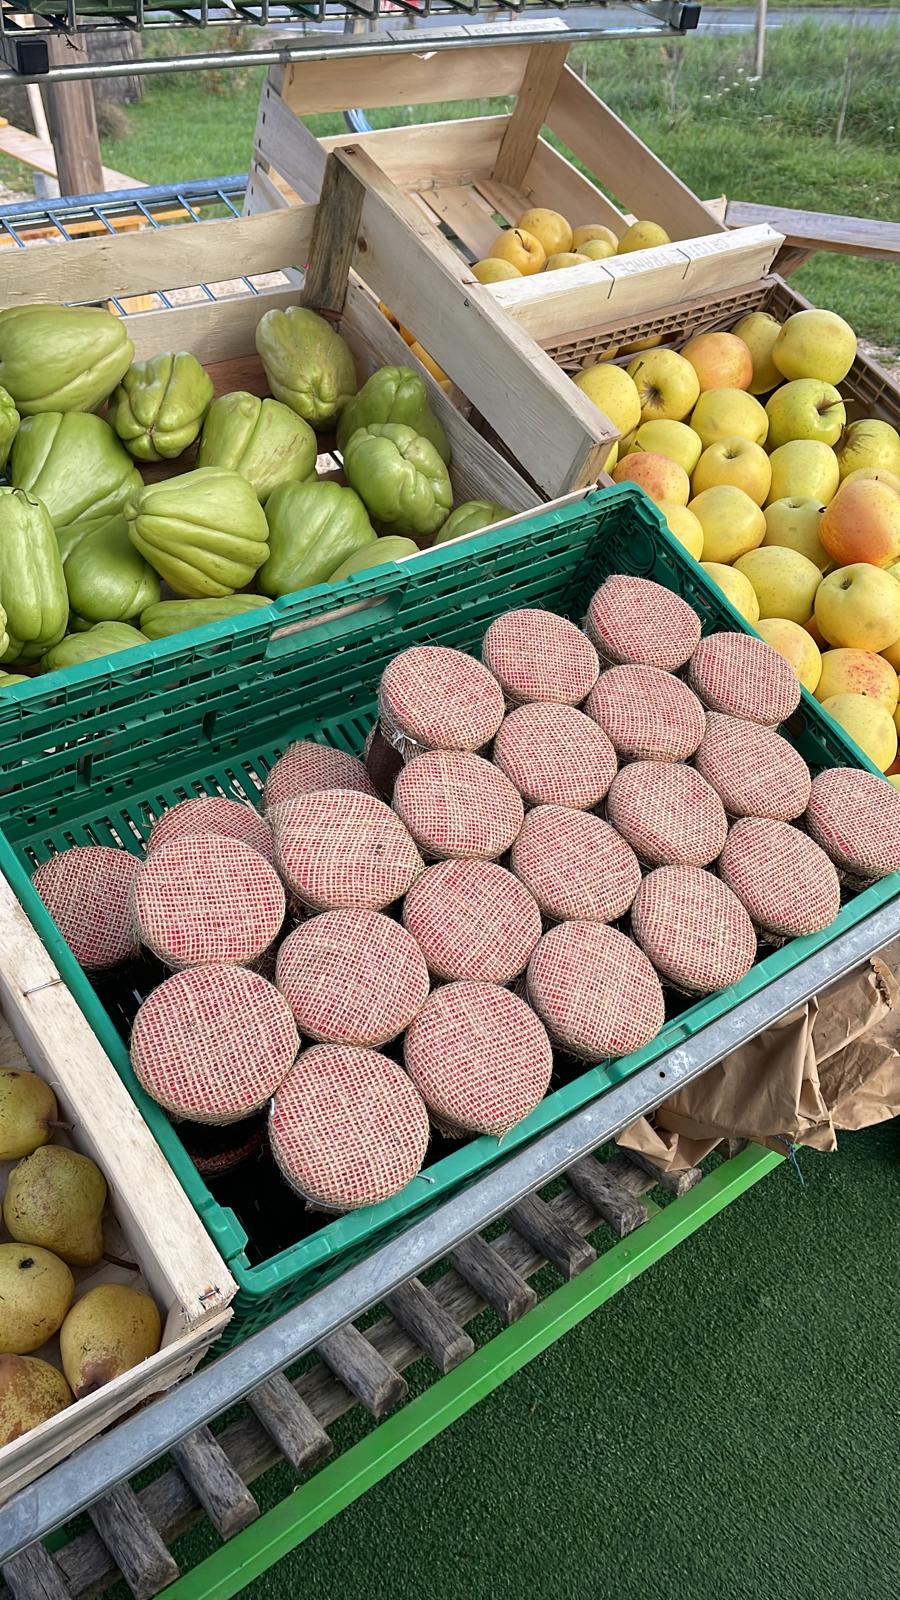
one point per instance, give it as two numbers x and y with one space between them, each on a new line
365 615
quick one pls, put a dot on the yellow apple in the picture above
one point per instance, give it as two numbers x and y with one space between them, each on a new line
815 344
493 270
565 258
613 392
612 458
785 582
597 249
859 672
734 461
594 232
642 236
673 439
549 227
803 470
894 779
732 523
521 248
759 331
720 360
869 443
794 523
795 645
805 409
650 343
862 523
858 608
873 475
659 477
736 588
684 527
429 364
729 414
868 724
667 384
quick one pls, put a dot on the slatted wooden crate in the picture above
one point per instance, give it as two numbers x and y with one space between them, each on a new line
471 176
149 1220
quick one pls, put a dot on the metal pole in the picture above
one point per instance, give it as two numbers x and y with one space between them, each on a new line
759 61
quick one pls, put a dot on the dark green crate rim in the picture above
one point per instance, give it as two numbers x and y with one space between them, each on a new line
89 697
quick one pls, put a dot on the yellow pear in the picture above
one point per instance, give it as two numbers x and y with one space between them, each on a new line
107 1331
736 588
868 724
36 1290
684 527
594 233
55 1198
550 227
728 414
785 582
613 392
804 469
759 331
642 236
565 258
858 608
732 523
31 1391
493 270
667 384
28 1113
815 344
612 458
673 439
869 443
794 522
799 650
597 249
859 672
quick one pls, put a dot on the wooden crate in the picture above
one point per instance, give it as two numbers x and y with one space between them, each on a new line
471 176
149 1220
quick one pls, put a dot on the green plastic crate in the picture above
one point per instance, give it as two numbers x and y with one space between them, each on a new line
85 759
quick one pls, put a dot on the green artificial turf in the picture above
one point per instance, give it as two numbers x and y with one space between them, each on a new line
725 1427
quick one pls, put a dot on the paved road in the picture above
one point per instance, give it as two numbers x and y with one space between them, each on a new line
743 19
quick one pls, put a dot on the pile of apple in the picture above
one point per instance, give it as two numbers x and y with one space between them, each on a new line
793 511
543 241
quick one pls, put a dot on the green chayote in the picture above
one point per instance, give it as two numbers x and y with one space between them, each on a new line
394 394
470 516
32 586
107 580
204 532
62 358
103 639
75 465
308 364
158 408
313 527
263 440
400 477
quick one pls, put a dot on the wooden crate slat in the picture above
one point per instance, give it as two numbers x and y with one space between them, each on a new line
620 1210
405 80
819 230
674 1183
556 1239
442 1338
220 1490
552 180
506 1291
34 1575
432 152
290 1424
133 1542
529 113
466 213
375 1383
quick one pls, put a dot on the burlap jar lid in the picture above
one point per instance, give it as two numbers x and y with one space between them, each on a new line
456 804
337 848
744 677
855 817
473 920
648 714
576 866
754 771
479 1057
595 991
212 1044
555 755
693 928
207 898
784 880
536 655
668 813
441 699
633 621
347 1128
352 977
211 813
307 766
87 891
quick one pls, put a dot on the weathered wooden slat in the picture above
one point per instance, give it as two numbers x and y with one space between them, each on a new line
621 1211
820 230
34 1575
556 1240
333 244
442 1338
732 1147
133 1542
222 1493
633 1178
676 1183
367 1375
504 1289
539 81
290 1424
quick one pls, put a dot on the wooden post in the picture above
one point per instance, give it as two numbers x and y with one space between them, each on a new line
759 60
73 128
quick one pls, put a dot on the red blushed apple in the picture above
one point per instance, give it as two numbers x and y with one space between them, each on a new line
720 360
862 523
659 477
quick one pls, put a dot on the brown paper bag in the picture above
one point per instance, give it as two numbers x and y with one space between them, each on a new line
856 1004
861 1078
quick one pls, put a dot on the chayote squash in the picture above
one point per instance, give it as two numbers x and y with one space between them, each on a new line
308 365
9 424
62 358
204 532
390 548
75 465
400 477
263 440
395 394
32 586
4 635
313 527
8 679
103 639
166 617
469 517
159 406
107 580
